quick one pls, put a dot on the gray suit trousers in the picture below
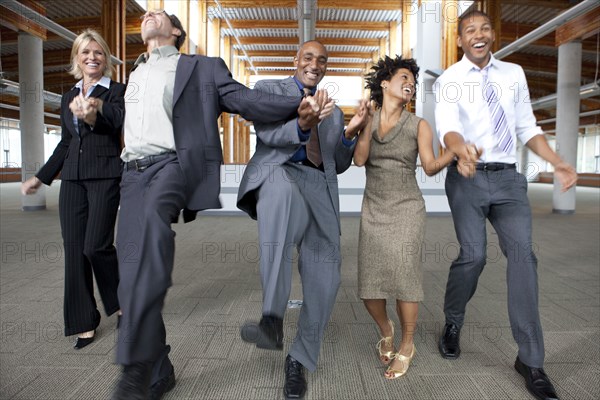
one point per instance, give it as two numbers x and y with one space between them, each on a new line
295 211
501 197
150 201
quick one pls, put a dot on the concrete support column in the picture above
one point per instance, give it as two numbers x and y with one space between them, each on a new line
429 36
31 106
567 118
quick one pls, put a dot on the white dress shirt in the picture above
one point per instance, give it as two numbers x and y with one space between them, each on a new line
462 108
149 105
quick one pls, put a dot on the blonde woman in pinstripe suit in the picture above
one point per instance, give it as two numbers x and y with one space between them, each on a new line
87 157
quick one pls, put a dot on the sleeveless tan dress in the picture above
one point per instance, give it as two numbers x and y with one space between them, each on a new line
393 216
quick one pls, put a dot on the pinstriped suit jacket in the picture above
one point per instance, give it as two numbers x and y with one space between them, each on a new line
91 154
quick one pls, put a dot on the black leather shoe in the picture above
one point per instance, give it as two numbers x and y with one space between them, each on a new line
449 345
537 381
267 334
80 343
295 382
158 389
134 383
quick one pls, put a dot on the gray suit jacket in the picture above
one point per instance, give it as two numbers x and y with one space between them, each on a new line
203 90
277 142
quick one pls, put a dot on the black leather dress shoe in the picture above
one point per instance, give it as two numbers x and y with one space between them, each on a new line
449 345
134 383
537 381
158 389
80 343
295 382
267 334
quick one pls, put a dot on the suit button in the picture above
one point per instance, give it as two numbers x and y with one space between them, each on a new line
81 151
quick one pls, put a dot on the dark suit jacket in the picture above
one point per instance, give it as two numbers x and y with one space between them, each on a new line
203 90
91 154
278 142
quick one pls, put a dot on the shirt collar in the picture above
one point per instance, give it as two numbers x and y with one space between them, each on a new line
162 51
104 82
301 87
467 65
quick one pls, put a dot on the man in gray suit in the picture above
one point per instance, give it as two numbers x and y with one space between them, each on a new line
290 186
172 161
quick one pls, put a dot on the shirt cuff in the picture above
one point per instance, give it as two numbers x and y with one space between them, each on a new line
303 135
346 142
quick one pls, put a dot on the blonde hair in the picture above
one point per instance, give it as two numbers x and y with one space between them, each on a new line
83 40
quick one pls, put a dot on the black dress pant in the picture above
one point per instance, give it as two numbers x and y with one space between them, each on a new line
88 211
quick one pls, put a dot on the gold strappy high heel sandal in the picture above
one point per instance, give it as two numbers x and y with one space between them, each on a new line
392 373
386 356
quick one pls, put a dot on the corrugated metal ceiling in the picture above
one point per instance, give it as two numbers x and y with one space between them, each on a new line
521 12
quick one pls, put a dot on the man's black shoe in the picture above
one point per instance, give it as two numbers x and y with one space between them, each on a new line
158 389
267 334
449 345
295 382
134 383
537 381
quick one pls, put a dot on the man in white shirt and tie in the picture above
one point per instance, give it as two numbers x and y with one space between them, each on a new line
482 108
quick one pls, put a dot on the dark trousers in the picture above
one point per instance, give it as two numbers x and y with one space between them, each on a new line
88 210
500 197
150 201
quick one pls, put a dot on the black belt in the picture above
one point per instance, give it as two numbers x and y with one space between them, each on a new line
493 166
309 164
143 163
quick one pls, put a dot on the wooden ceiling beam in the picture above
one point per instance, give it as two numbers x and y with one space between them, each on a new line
249 40
17 22
545 63
291 24
255 3
322 4
389 5
581 27
290 65
14 101
512 31
583 121
278 53
54 57
75 25
558 4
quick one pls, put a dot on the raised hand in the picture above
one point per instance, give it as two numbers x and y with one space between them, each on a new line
359 121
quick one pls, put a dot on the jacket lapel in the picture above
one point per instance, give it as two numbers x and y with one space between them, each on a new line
98 91
185 67
290 88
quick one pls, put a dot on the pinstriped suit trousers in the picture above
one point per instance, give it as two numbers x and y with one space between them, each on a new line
88 210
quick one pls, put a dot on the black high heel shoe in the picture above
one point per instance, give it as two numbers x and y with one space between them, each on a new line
80 343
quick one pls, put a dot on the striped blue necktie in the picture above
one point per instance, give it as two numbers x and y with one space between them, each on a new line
504 140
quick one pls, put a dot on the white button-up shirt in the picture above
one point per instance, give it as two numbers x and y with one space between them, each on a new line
149 105
461 106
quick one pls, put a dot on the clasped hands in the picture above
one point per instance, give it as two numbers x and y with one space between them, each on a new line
315 108
86 109
468 154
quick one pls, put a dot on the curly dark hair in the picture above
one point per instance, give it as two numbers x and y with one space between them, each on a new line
384 70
